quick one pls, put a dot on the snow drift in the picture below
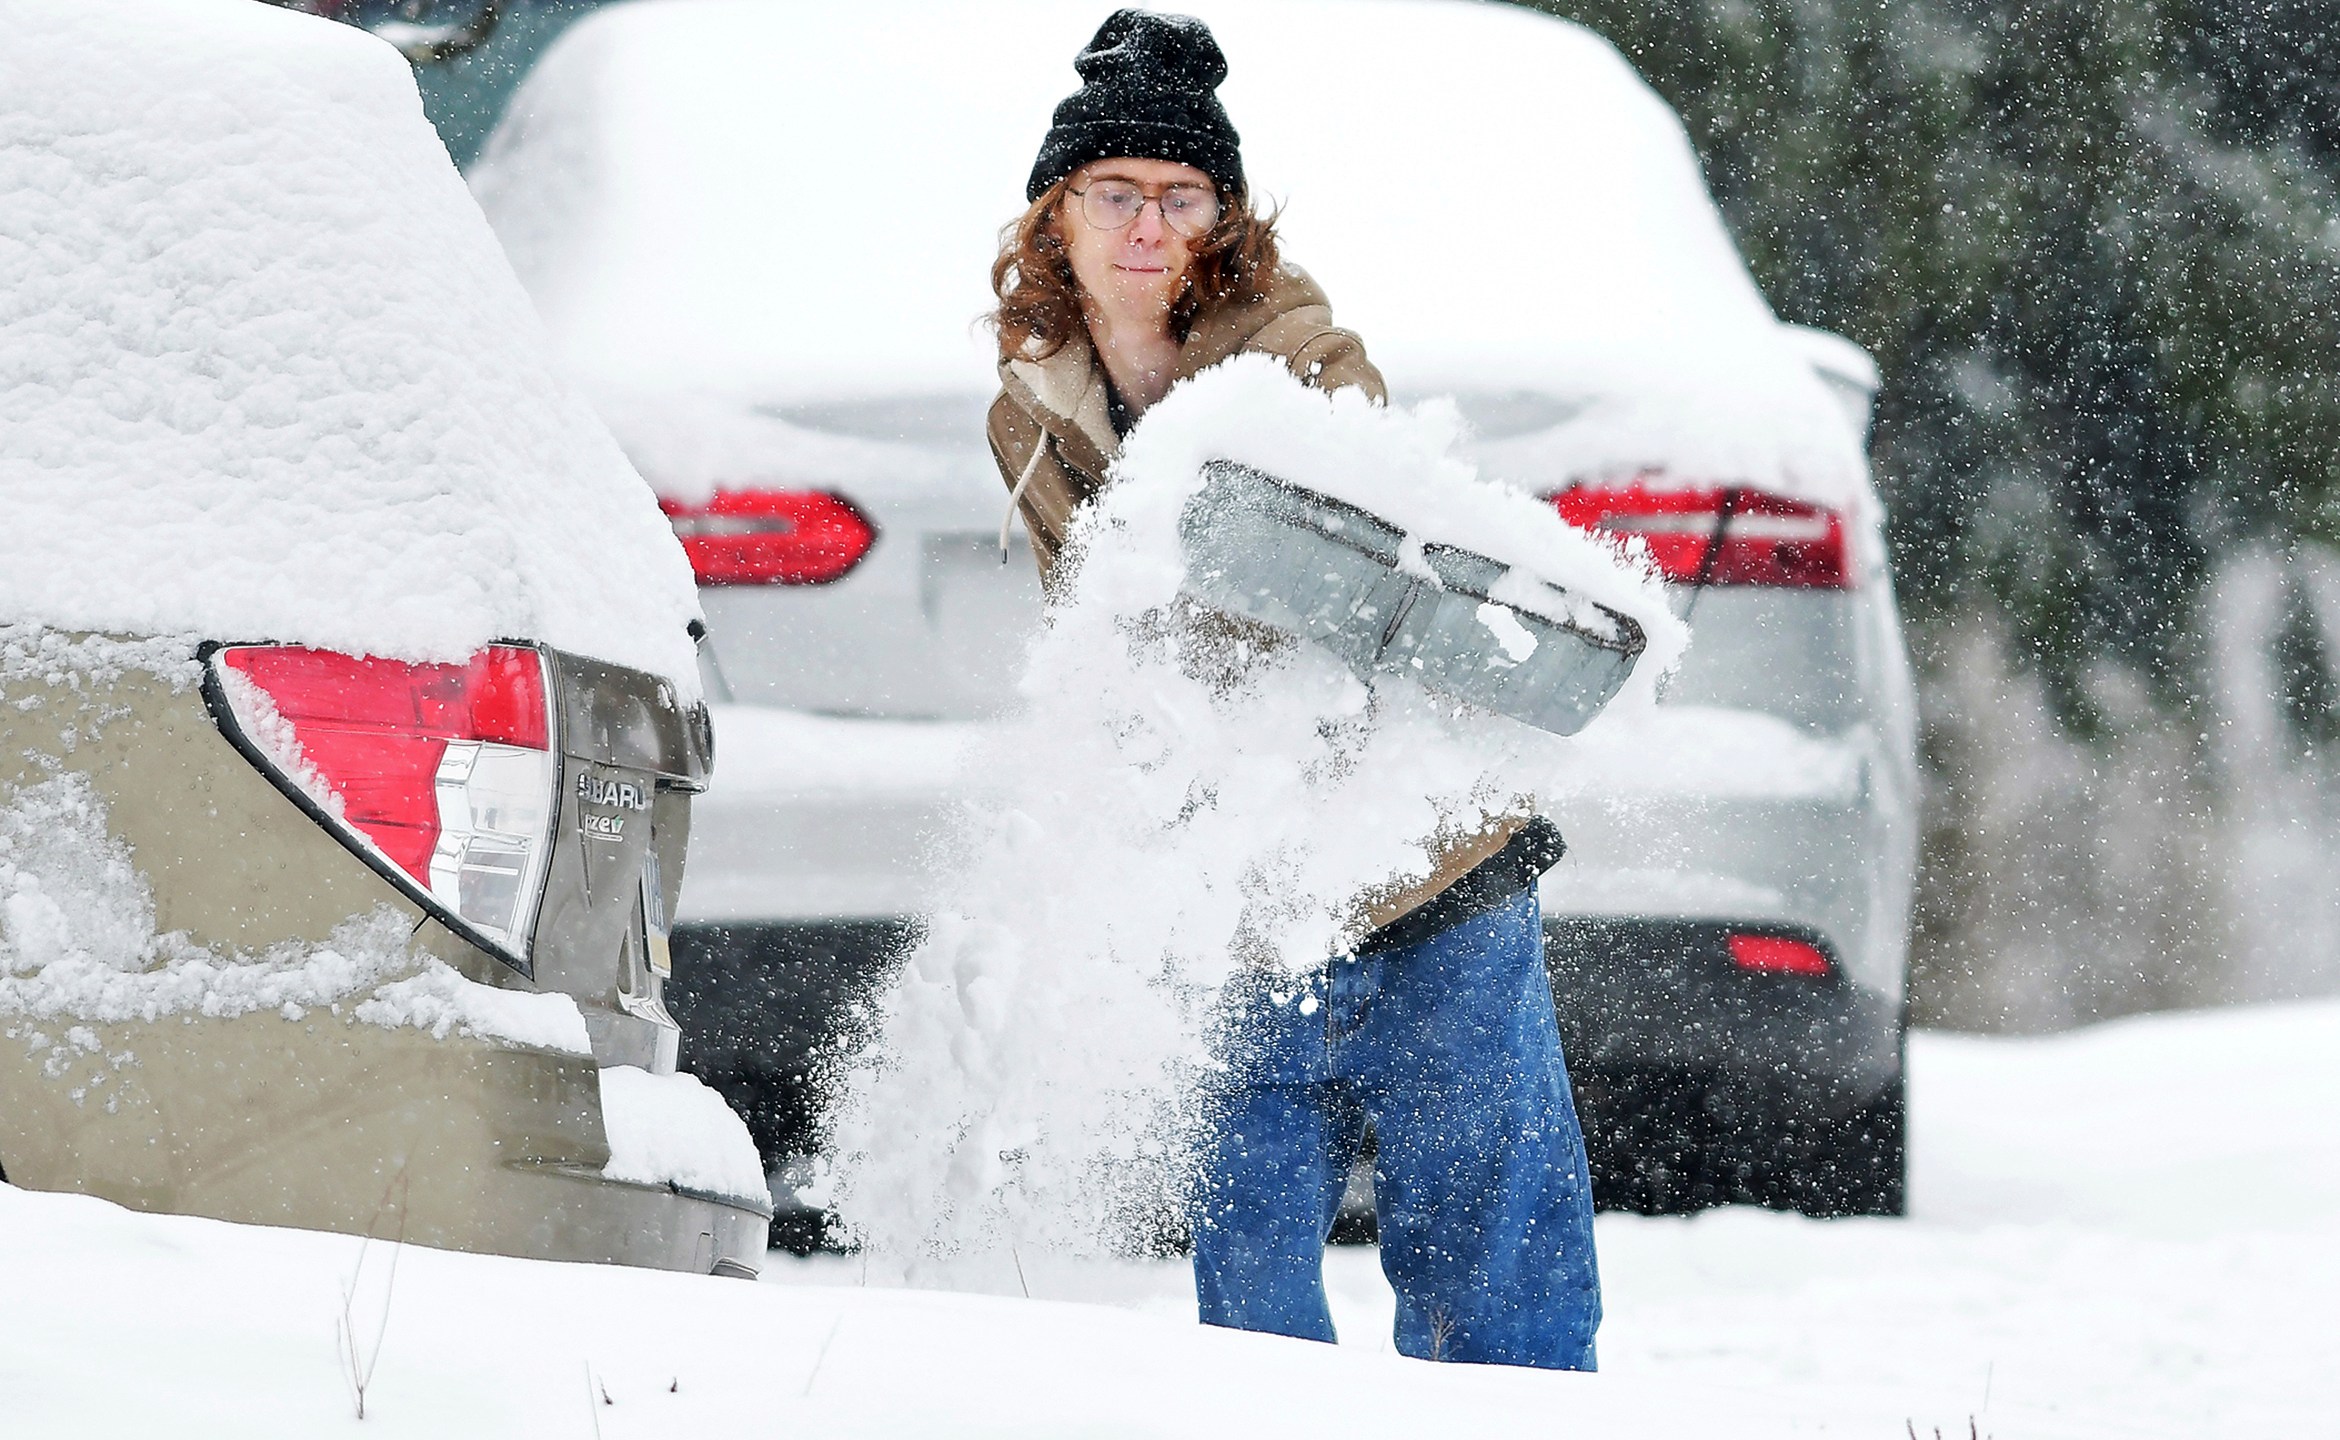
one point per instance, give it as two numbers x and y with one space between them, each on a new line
264 372
1178 800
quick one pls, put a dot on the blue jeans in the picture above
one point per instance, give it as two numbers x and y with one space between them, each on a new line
1449 1049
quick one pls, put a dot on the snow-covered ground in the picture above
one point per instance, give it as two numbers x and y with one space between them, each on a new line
2128 1231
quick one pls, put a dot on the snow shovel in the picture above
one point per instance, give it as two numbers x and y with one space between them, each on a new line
1329 572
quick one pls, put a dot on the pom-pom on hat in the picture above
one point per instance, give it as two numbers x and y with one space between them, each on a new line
1148 91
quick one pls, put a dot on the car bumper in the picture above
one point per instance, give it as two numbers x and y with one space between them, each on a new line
1642 997
329 1123
1700 1084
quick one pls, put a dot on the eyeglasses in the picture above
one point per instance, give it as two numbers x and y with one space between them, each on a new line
1191 210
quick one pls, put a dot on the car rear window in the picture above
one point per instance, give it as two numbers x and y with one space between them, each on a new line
1790 653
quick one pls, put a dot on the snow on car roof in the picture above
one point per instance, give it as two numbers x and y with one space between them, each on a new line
264 372
796 202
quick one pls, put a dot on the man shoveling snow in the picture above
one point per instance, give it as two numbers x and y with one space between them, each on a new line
1125 991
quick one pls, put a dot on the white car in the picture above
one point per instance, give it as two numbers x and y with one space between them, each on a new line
760 236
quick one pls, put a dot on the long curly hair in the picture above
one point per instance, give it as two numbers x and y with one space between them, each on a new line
1040 301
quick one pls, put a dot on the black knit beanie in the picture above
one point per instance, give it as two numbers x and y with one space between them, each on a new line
1146 93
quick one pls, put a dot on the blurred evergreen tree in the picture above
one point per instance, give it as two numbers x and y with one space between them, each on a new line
2095 245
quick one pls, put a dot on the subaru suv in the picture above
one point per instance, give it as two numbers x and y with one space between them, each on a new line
794 362
349 711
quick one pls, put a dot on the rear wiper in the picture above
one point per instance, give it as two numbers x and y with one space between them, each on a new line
1706 562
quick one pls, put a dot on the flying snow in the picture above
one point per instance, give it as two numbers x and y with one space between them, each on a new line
1177 800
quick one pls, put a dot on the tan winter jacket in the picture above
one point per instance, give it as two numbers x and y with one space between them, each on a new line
1052 435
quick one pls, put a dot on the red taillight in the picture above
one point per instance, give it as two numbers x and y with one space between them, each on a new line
1779 955
446 772
503 690
1768 540
771 537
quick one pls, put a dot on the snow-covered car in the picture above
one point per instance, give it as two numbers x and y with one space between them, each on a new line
1729 936
349 709
1511 218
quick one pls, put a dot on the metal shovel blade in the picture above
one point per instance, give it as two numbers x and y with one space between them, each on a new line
1327 571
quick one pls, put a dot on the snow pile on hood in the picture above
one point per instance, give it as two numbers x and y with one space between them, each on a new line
264 373
1174 803
1543 228
78 948
1681 421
